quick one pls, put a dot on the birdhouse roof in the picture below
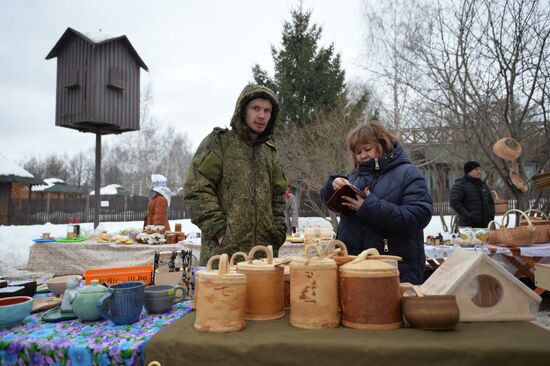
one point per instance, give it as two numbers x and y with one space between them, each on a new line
457 269
96 40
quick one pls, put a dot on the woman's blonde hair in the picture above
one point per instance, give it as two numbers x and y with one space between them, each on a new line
374 133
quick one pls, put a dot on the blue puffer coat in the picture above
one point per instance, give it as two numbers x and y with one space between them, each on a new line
393 216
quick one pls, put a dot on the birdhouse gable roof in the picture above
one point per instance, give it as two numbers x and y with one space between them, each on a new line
96 40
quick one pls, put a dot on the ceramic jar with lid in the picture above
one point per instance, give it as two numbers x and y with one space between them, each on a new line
85 303
313 291
370 295
265 286
220 302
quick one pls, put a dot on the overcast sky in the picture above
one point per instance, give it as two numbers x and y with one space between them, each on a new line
199 55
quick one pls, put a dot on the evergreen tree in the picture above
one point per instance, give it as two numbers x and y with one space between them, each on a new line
307 78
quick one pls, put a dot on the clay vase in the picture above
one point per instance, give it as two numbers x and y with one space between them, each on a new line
220 303
435 312
264 287
314 292
370 295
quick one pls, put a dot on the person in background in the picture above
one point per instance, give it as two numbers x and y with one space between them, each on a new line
235 186
157 210
291 212
471 198
398 204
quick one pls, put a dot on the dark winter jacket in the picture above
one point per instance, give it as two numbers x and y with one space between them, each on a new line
472 201
235 185
394 214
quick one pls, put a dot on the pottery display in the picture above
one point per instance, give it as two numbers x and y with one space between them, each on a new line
13 310
314 291
161 298
220 302
264 287
85 304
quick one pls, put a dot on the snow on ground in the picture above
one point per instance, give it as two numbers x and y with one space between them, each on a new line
15 241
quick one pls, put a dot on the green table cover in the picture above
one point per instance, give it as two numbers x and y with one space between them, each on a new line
276 342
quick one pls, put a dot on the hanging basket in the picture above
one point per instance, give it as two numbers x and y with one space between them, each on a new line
542 180
519 236
542 226
507 149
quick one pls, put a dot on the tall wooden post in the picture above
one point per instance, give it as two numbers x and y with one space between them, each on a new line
97 178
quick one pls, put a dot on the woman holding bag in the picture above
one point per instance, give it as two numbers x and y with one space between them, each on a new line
397 206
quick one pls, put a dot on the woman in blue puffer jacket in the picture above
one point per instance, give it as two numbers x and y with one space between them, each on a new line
397 207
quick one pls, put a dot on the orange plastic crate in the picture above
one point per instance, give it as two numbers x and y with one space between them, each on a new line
115 275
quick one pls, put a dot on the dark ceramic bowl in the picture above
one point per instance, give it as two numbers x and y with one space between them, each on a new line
30 286
435 312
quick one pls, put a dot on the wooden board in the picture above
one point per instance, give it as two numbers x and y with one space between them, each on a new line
542 276
45 303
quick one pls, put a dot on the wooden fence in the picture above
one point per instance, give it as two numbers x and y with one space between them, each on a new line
124 208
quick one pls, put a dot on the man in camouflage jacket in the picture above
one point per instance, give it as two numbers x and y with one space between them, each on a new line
235 185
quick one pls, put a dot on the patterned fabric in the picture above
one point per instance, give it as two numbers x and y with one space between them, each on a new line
235 185
75 343
74 258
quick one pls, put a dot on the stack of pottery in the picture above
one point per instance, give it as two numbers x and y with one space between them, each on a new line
369 293
264 287
220 302
313 291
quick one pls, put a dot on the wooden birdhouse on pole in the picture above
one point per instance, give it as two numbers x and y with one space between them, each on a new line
98 87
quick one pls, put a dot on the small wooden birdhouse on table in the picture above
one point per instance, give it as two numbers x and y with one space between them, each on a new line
484 290
98 86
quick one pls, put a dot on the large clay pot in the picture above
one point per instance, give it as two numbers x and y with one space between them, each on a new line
264 287
369 293
314 292
220 303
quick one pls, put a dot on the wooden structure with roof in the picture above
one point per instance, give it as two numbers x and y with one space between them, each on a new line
98 86
15 184
98 83
484 290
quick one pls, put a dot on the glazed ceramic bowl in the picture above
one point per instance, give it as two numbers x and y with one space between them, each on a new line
14 309
434 312
58 285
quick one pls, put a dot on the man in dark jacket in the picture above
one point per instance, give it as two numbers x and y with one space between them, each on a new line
235 186
471 198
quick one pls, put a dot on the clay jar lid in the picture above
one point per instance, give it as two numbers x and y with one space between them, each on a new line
222 274
261 266
365 267
313 259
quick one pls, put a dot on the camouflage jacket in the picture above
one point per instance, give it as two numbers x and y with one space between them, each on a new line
235 185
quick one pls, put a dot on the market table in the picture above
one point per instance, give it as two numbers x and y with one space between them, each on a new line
275 342
520 261
74 258
95 343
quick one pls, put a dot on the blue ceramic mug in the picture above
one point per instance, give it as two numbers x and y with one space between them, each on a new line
123 303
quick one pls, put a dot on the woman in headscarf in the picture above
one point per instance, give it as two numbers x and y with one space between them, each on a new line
157 210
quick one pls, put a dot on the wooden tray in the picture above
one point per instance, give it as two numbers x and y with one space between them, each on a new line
45 303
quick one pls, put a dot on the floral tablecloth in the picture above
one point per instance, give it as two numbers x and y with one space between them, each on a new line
72 343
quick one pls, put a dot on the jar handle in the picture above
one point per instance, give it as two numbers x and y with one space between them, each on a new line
236 255
262 248
331 248
223 263
364 254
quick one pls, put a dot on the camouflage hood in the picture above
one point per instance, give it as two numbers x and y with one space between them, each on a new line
250 92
